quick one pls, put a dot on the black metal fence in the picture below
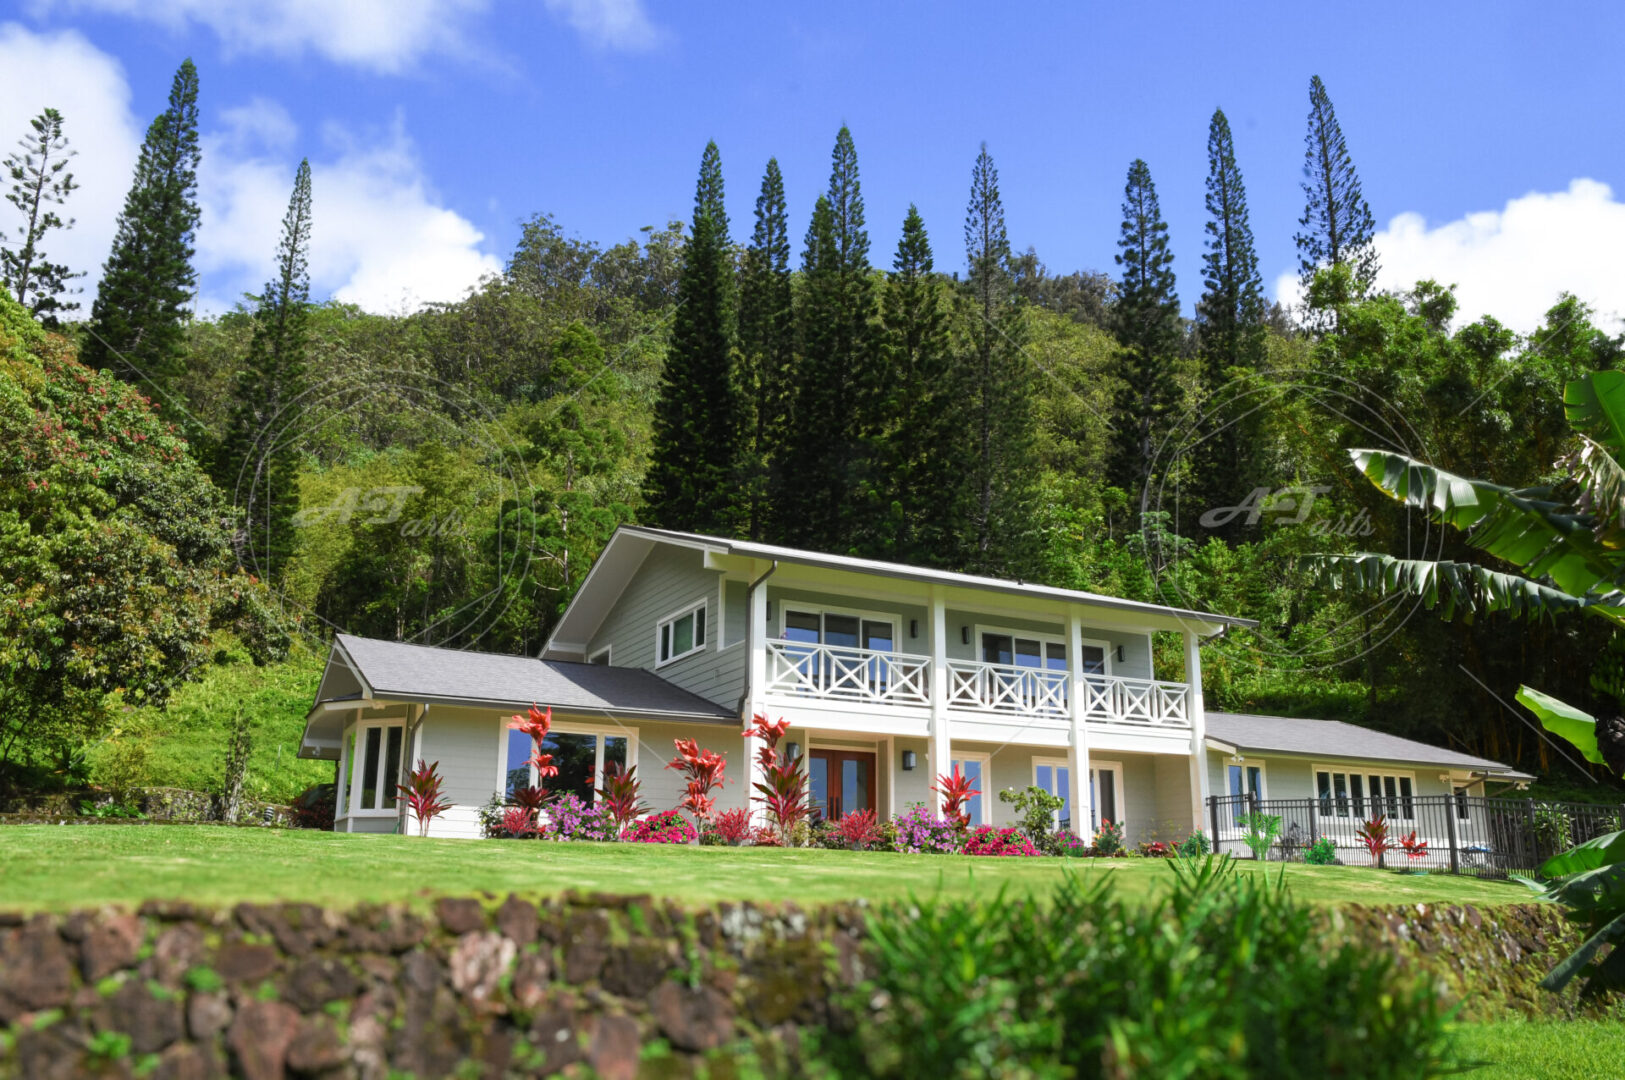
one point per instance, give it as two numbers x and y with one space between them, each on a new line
1457 833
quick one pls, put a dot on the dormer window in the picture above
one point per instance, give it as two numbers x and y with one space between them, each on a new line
681 634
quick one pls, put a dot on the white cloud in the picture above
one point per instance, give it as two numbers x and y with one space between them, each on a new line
382 239
379 35
1514 262
609 24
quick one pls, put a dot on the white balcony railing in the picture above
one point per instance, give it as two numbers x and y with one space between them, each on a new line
1006 688
847 674
1136 701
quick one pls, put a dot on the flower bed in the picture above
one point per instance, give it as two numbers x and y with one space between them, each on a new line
667 827
990 840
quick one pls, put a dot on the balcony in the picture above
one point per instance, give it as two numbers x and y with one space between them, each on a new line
877 677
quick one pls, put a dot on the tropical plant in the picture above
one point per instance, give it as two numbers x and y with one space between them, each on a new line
1413 848
1193 846
519 823
1261 831
1374 835
1067 844
621 796
857 828
956 790
993 840
1321 853
1108 839
919 831
783 788
666 827
1035 811
1156 849
1553 826
732 826
537 724
531 797
424 792
704 770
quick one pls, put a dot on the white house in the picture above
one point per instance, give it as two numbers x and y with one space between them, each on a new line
889 674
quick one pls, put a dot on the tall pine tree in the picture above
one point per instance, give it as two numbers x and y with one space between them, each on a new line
258 461
1001 529
137 323
39 182
1337 222
767 342
694 476
818 486
1146 321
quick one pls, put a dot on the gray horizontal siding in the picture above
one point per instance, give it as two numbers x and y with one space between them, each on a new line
672 578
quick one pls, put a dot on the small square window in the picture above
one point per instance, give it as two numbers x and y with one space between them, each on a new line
681 635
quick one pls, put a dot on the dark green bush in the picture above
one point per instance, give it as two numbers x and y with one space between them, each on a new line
1218 976
1321 853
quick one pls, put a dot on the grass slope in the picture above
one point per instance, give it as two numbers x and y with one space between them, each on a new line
60 867
1543 1050
186 740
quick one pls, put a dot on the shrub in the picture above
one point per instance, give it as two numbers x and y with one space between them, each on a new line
519 823
783 789
1374 835
704 770
315 807
1194 846
567 818
1156 849
885 837
991 840
1262 829
490 816
621 796
1216 975
666 827
1321 853
1035 813
1108 839
766 836
857 828
732 826
920 831
599 823
424 792
1414 848
1067 844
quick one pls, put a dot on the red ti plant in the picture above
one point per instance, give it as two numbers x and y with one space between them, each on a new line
1414 848
621 795
956 791
537 725
783 787
1374 835
858 828
704 769
529 800
519 822
733 826
424 792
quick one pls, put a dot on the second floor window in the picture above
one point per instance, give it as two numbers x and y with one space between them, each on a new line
682 634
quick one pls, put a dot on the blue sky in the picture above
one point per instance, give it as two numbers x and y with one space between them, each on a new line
436 126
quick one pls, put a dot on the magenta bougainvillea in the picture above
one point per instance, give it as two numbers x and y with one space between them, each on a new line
992 840
666 827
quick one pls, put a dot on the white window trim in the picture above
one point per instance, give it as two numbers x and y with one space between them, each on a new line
361 728
1119 796
1365 772
698 605
986 761
1055 763
979 629
1263 776
891 618
341 797
608 653
567 727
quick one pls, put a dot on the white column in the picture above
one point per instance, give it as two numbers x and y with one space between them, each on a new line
757 647
941 751
1077 750
1194 708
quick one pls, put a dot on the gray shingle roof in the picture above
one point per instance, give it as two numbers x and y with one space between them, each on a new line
1335 739
424 673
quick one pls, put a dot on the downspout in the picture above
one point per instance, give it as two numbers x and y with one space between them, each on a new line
408 739
750 617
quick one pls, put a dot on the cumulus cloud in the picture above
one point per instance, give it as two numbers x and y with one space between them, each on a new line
1512 263
378 35
382 238
609 24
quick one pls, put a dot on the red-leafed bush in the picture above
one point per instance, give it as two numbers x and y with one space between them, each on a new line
704 769
991 840
783 789
621 796
519 823
666 827
766 837
424 792
1157 849
859 827
956 791
732 826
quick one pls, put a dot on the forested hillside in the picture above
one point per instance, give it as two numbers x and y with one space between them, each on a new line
928 392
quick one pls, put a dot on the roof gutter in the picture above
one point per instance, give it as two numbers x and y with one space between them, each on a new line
750 619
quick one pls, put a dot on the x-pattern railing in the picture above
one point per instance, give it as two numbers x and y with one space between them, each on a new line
847 673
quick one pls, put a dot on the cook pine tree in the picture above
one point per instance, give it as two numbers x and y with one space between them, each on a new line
767 342
1337 228
40 182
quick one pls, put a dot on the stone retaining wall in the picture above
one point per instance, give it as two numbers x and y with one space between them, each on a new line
623 987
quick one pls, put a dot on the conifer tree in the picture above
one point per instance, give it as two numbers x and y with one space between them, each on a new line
1001 530
39 181
766 342
694 475
833 414
258 459
1337 222
137 323
1146 321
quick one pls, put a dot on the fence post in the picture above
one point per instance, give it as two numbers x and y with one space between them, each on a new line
1450 828
1213 810
1534 837
1314 824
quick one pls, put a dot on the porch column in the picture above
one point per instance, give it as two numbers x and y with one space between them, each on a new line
1193 681
757 652
940 751
1077 749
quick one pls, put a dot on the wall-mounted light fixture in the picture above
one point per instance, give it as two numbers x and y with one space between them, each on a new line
964 635
793 749
910 759
1120 654
914 628
770 611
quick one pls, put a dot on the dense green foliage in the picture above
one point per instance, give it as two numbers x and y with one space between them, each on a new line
1217 976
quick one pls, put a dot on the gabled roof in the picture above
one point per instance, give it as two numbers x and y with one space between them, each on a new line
392 670
1327 740
631 543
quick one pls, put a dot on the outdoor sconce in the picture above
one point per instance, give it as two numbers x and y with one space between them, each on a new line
794 750
1120 654
770 611
964 635
914 628
909 760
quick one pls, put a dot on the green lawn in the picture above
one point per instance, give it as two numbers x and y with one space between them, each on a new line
1533 1050
59 867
